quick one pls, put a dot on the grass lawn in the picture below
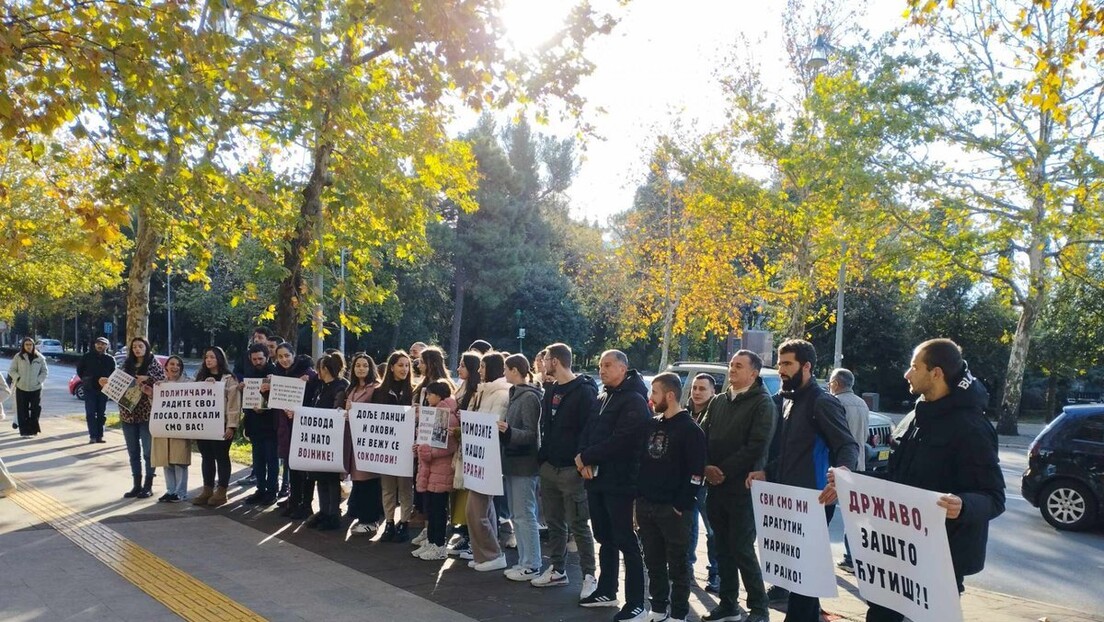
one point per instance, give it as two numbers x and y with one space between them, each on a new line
241 451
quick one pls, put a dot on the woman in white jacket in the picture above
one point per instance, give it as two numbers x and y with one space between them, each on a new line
28 372
492 396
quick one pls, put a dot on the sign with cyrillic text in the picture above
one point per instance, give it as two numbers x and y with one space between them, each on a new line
898 539
123 389
189 410
482 460
793 539
318 440
383 438
286 393
252 396
432 427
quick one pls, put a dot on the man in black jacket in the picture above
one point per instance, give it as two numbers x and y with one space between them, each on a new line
91 367
610 460
738 424
949 446
569 405
815 437
260 428
671 472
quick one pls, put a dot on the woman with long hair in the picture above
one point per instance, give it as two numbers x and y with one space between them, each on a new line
142 364
331 371
468 371
396 389
173 455
366 500
433 369
28 371
216 454
493 396
520 440
300 501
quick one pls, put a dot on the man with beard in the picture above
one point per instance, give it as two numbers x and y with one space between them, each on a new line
815 437
260 429
671 472
260 335
738 427
948 445
91 367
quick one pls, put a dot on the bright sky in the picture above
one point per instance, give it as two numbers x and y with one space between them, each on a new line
659 65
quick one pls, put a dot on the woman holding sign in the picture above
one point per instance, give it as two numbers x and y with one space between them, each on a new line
468 372
435 474
366 500
141 364
396 389
173 455
520 438
300 503
331 368
216 454
493 396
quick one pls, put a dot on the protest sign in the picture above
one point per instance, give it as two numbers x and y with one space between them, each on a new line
189 410
123 389
318 440
252 396
794 547
383 438
482 460
286 393
432 427
899 546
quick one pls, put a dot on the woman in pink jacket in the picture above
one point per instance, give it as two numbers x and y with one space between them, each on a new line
435 474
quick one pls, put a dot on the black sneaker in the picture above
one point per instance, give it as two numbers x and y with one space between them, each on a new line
165 497
388 532
402 534
267 499
173 499
713 585
254 498
248 480
846 566
778 594
598 600
631 612
725 612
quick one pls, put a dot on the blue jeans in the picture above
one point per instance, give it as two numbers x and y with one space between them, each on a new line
710 546
138 442
95 407
521 491
266 464
176 480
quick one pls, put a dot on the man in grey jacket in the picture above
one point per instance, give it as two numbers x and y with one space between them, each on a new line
841 384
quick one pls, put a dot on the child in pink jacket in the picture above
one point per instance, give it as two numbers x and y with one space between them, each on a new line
435 474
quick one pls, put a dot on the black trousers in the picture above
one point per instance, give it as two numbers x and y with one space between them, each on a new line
28 408
329 493
215 457
665 536
733 522
806 608
302 491
366 501
612 519
437 510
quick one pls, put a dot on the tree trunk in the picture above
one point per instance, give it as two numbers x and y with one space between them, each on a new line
1017 362
292 293
457 314
795 329
1051 393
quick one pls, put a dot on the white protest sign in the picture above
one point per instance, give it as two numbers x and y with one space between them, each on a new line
318 440
189 410
899 546
794 547
432 427
117 384
482 460
383 438
252 397
286 393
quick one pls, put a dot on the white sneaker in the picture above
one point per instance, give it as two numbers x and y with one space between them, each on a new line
658 616
471 563
498 563
364 529
421 549
589 585
510 542
432 552
522 574
421 538
550 578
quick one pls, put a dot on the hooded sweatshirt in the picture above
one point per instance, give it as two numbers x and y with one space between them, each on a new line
673 462
615 435
567 410
521 440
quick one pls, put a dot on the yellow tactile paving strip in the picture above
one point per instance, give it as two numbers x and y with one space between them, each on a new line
177 590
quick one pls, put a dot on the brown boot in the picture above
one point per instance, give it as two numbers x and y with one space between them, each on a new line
218 498
203 497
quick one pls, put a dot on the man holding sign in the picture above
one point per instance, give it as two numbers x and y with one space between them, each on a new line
949 447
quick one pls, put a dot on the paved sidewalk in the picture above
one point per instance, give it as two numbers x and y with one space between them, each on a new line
281 570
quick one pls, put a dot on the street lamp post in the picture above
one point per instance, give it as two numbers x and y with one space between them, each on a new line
521 332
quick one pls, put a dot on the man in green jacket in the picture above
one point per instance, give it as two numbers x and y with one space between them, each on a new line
738 427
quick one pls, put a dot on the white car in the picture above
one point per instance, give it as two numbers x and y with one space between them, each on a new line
49 347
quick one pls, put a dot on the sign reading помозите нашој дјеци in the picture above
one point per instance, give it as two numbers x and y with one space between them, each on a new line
899 546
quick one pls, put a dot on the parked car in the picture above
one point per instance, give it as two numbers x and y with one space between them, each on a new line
1065 469
76 386
49 347
686 370
877 447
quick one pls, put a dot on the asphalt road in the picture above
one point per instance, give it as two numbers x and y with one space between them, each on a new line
1026 557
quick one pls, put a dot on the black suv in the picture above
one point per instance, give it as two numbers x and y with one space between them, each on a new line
1065 468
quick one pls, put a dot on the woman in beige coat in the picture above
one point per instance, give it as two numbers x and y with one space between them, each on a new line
173 455
216 454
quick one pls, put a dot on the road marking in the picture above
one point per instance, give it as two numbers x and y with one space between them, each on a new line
177 590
